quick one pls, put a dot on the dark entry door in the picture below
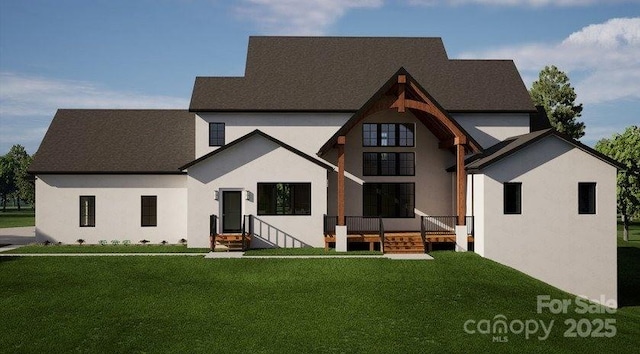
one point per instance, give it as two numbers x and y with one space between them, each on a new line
231 211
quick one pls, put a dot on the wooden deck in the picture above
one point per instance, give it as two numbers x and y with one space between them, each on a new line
399 241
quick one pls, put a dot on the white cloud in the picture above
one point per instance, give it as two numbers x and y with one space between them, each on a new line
605 57
530 3
294 17
24 95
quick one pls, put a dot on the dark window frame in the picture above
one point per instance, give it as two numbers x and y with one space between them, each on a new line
591 197
90 216
298 203
148 211
376 201
379 169
216 135
512 207
399 134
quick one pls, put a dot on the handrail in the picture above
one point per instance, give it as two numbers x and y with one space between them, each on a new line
363 224
423 233
439 223
213 231
381 234
330 223
271 234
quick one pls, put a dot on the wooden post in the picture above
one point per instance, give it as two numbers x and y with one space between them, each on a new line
461 184
341 142
402 79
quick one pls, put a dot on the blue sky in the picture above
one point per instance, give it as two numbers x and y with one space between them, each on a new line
147 53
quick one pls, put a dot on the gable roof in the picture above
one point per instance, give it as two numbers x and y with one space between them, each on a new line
413 87
116 141
257 132
514 144
339 74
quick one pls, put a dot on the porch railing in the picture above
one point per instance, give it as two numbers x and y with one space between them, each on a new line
213 231
330 223
439 224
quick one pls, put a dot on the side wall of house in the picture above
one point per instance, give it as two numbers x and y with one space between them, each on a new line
306 132
490 128
241 168
117 207
550 240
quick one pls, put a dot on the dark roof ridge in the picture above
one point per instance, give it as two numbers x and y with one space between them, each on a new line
264 135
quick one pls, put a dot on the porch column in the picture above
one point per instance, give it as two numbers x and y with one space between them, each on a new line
461 183
341 142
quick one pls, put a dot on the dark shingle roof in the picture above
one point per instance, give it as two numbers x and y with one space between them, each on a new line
116 141
341 73
264 135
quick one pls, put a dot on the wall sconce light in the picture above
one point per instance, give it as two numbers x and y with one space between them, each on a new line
216 195
249 196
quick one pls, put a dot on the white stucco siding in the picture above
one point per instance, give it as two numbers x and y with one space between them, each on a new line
117 208
242 167
550 240
488 129
306 132
433 185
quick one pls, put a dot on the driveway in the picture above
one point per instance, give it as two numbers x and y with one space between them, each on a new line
17 235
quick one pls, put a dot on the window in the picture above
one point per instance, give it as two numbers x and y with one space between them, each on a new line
87 211
389 200
388 134
586 198
216 134
149 210
513 198
284 198
388 164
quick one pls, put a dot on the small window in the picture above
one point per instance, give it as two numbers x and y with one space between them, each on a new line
388 134
149 210
586 198
389 200
369 134
87 211
513 198
388 164
216 134
284 198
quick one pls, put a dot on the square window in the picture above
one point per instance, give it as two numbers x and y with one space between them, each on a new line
586 198
513 198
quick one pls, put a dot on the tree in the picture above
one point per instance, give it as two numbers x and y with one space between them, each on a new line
625 148
14 180
553 91
7 179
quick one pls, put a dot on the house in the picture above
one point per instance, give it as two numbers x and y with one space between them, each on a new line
377 142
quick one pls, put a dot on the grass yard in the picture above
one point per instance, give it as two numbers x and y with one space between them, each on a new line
185 304
107 249
15 218
634 234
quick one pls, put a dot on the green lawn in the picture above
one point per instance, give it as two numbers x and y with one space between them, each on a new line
107 249
15 218
634 234
307 251
187 304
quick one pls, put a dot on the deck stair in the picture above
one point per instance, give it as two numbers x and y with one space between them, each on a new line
232 242
403 243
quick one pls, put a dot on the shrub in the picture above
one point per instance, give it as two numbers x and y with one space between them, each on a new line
46 243
164 242
103 242
126 242
183 241
144 242
80 241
